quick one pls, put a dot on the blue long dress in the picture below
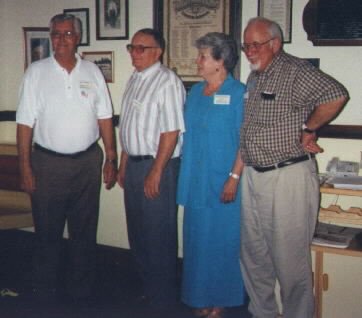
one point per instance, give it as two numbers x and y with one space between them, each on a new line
211 233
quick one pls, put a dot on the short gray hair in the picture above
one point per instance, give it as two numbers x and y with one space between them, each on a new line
223 47
273 28
59 18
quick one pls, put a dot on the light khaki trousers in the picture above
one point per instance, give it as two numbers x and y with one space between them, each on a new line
279 213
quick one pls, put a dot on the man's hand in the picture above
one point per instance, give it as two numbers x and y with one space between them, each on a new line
23 138
229 191
152 184
110 168
309 143
109 174
27 180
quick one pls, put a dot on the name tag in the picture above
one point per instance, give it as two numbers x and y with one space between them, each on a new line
86 85
222 99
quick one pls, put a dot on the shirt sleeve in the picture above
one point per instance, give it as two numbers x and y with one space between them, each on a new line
27 101
318 88
103 101
172 101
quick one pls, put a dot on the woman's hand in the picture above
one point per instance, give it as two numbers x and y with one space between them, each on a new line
229 192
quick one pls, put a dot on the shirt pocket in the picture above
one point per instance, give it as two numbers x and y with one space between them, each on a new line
87 95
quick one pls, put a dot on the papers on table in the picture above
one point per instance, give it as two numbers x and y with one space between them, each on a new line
351 182
334 235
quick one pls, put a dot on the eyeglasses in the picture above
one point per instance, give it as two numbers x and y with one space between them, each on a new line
139 49
255 45
67 35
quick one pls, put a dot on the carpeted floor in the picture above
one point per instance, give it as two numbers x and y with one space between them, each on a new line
116 294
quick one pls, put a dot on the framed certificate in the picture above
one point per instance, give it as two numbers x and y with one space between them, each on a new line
279 11
183 22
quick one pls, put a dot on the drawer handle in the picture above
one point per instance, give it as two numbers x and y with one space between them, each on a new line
325 282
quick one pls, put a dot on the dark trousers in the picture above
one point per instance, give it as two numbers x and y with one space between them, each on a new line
67 190
152 230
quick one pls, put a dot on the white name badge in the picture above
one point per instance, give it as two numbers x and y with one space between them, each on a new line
86 85
222 99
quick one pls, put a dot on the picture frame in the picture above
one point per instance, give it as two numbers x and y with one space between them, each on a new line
279 11
37 44
104 60
181 24
112 19
328 23
83 15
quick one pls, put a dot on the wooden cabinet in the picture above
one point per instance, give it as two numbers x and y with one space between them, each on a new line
338 275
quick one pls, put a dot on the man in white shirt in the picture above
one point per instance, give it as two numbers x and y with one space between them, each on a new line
64 107
151 123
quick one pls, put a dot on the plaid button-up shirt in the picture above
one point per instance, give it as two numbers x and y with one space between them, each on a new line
277 103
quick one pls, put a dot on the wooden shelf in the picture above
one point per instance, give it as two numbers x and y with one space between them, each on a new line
352 250
330 190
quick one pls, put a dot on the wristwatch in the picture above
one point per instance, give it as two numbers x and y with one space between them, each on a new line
307 130
234 176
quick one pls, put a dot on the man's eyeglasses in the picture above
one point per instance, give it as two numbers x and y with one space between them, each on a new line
139 49
67 35
255 45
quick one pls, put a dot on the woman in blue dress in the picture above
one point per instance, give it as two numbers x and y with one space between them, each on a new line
209 181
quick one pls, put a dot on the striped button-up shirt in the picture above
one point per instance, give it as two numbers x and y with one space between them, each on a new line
277 103
152 104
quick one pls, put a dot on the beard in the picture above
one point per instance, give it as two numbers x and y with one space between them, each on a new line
254 66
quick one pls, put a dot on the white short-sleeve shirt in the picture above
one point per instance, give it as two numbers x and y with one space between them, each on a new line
152 104
63 109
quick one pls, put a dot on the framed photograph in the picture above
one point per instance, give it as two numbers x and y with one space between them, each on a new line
183 22
83 15
112 19
37 44
104 60
279 11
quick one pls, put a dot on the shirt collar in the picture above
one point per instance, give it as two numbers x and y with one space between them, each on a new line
149 71
59 67
273 65
229 79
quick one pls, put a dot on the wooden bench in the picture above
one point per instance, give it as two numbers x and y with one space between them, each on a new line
15 206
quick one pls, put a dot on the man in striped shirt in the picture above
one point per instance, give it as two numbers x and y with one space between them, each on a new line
151 122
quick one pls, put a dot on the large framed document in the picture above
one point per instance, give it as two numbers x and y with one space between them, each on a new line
279 11
184 21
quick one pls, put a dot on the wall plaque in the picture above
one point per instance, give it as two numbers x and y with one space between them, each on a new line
333 22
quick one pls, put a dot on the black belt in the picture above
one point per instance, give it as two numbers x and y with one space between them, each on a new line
66 155
140 158
284 163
